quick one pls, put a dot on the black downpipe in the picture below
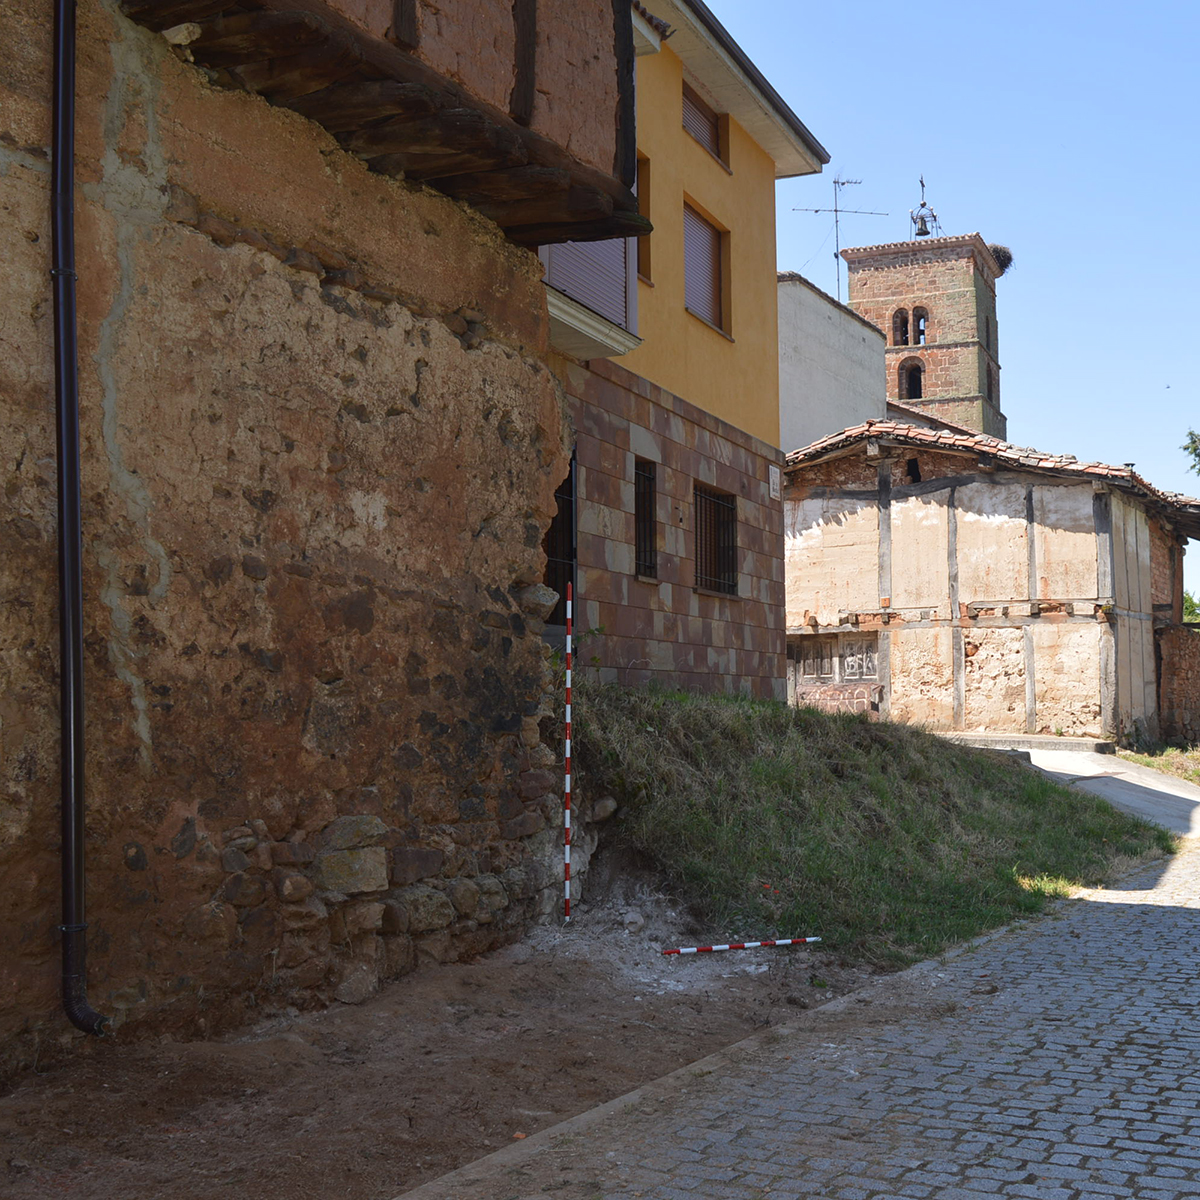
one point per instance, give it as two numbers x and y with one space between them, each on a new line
70 526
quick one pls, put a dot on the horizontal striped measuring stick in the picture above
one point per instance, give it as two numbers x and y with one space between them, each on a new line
567 777
742 946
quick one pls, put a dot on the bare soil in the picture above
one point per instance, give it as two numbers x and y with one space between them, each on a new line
440 1068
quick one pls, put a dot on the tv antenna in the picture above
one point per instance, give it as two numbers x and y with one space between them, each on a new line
923 221
838 211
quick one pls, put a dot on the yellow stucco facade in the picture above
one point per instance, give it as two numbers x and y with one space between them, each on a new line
732 373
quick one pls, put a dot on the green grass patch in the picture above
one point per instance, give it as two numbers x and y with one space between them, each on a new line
888 842
1185 763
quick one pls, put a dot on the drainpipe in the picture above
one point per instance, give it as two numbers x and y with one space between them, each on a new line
70 534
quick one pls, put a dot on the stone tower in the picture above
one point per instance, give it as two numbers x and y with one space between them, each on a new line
935 300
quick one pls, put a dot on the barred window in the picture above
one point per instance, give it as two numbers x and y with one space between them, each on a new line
646 543
716 540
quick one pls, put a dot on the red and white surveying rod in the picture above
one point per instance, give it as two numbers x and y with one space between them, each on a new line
567 779
742 946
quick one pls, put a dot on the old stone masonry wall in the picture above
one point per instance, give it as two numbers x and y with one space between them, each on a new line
320 447
1179 683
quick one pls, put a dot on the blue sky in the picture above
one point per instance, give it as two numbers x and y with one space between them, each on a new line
1066 131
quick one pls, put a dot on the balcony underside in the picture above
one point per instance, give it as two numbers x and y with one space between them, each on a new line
399 115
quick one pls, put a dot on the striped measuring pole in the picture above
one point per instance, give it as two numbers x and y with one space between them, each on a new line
567 775
742 946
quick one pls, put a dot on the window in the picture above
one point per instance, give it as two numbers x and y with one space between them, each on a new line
594 273
645 539
920 324
991 385
912 470
844 658
701 122
716 540
643 199
900 327
911 380
816 658
702 268
559 545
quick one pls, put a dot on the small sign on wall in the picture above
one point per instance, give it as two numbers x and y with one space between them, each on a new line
775 477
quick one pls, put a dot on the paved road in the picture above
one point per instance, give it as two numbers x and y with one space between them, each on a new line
1059 1060
1172 802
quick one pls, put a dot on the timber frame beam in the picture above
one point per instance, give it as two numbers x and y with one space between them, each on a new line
398 114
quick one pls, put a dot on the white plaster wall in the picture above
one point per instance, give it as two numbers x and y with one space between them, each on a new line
831 558
993 556
1065 542
831 369
920 559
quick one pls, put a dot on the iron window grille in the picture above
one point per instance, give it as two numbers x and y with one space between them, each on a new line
645 542
716 540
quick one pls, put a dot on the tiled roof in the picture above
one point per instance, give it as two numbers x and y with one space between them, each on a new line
939 422
1019 457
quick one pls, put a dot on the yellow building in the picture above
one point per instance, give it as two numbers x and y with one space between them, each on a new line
713 136
670 525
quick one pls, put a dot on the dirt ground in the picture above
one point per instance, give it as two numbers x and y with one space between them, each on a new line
443 1066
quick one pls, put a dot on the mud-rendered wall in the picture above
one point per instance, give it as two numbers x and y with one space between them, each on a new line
319 449
985 591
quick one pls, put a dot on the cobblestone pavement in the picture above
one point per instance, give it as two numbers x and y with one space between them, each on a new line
1059 1060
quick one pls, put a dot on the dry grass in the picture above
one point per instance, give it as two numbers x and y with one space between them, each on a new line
1170 760
886 841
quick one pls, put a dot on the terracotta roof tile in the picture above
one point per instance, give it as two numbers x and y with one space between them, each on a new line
1002 452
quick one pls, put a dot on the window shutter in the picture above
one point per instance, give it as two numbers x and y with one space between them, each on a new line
701 267
595 274
701 122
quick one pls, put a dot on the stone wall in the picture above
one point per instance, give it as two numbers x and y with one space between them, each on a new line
1179 683
320 447
666 630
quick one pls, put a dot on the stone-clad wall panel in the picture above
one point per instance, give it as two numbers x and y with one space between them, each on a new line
665 630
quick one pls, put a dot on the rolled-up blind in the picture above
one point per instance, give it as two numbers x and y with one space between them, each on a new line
595 274
701 122
701 266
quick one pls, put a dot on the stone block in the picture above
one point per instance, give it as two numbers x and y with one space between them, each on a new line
244 891
399 956
212 922
427 908
412 863
464 895
359 984
525 825
291 886
292 854
352 871
363 917
351 833
395 917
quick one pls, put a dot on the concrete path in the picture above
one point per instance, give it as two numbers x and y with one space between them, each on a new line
1057 1060
1140 790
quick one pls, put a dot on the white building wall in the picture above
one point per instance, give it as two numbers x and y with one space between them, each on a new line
831 369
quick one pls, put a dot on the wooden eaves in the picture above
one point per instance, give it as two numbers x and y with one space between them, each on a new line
399 115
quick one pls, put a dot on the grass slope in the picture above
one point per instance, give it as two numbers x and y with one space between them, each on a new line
886 841
1171 760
